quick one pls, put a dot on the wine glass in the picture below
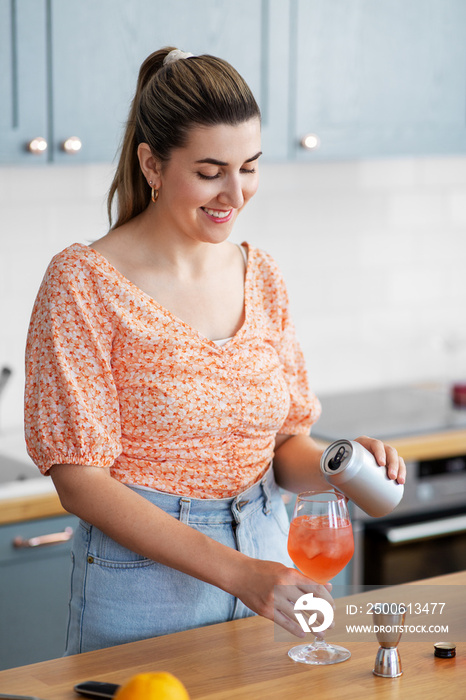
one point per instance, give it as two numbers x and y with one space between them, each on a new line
320 542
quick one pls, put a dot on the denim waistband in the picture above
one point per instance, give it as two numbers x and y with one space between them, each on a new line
236 508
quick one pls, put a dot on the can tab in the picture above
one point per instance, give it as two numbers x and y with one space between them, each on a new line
336 461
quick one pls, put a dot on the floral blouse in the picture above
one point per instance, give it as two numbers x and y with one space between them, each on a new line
113 379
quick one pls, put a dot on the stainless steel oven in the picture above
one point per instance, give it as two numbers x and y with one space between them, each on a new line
426 534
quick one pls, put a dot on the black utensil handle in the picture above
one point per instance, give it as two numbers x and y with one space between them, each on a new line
96 689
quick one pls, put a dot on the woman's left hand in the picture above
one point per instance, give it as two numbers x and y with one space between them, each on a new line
385 456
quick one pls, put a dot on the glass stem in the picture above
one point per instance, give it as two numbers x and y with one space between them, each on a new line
319 643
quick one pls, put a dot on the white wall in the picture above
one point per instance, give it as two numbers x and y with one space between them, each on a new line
374 253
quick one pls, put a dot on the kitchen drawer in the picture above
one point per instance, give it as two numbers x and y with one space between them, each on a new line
28 532
34 591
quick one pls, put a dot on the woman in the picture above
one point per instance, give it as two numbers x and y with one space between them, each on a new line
163 377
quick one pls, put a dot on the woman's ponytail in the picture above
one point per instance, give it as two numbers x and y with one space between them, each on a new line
129 183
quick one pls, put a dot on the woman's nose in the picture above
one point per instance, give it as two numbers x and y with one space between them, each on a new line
232 194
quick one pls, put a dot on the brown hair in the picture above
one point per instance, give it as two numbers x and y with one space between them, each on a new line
169 101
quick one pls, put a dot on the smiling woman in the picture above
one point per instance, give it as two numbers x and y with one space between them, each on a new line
165 386
195 191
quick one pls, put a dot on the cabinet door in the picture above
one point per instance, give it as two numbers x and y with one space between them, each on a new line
380 78
97 49
23 79
34 592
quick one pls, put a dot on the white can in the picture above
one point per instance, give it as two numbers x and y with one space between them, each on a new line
352 470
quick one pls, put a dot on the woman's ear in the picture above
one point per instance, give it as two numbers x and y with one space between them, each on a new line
150 166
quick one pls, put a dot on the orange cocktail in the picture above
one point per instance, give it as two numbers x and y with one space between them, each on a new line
320 542
320 545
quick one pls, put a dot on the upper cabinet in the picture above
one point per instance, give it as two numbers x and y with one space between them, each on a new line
361 78
97 49
71 66
378 78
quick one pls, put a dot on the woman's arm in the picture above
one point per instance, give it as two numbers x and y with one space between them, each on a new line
125 516
297 462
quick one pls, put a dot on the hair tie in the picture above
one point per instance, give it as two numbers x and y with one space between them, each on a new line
176 55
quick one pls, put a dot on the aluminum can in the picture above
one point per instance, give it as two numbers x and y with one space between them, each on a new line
351 469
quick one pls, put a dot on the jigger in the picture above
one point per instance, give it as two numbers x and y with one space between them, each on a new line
389 628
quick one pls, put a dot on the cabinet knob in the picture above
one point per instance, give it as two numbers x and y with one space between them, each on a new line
310 142
72 145
37 145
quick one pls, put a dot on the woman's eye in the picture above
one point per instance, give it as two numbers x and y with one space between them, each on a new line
208 177
243 171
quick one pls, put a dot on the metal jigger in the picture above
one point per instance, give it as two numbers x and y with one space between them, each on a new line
388 662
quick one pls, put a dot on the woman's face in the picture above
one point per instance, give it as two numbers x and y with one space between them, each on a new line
205 184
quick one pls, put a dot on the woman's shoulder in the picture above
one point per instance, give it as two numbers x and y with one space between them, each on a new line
74 285
262 259
75 256
77 261
265 267
77 270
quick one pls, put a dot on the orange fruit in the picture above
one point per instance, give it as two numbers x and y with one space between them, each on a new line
152 686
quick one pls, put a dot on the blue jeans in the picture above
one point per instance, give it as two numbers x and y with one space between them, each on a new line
118 596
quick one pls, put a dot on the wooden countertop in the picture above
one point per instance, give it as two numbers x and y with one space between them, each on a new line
45 505
429 446
241 660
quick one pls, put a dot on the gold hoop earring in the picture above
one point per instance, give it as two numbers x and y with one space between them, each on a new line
154 194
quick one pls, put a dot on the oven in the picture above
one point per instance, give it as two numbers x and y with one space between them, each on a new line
426 534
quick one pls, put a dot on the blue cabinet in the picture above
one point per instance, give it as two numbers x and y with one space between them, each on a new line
378 78
85 59
35 570
367 78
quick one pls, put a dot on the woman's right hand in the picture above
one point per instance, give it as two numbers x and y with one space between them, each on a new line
271 590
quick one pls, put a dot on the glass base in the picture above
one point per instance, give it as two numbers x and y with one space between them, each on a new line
319 653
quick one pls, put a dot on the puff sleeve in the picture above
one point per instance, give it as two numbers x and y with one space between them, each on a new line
71 402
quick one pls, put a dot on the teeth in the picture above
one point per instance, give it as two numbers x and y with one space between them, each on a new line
217 214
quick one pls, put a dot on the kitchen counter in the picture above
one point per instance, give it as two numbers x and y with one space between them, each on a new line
430 446
241 659
30 507
420 421
414 448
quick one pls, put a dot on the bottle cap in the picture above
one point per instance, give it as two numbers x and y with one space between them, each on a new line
445 650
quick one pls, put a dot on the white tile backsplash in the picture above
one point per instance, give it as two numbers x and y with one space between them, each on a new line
373 253
417 209
457 203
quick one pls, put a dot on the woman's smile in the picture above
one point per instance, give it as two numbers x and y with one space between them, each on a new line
218 216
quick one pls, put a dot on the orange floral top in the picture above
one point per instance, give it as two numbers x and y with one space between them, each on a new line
115 380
